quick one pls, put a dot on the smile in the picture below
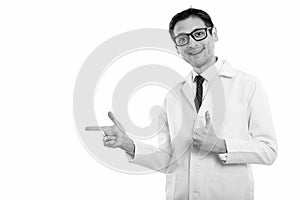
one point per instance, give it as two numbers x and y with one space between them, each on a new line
195 52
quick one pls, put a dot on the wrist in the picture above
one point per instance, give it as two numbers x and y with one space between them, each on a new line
220 147
128 146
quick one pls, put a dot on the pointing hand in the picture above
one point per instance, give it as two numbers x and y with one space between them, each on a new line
114 136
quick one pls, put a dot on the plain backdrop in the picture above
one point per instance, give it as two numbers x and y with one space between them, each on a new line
43 45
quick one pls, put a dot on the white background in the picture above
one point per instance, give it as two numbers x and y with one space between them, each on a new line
42 47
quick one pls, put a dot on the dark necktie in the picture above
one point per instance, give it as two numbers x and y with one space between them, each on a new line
198 99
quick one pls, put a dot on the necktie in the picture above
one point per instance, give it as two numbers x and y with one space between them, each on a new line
198 99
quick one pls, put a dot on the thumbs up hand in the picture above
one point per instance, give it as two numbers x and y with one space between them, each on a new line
205 138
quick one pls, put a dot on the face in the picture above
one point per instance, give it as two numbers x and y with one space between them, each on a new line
198 53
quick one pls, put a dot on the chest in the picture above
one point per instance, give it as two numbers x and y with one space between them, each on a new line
227 101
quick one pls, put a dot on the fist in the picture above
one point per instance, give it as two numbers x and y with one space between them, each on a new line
205 138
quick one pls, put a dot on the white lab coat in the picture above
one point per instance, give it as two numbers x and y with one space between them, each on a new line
246 127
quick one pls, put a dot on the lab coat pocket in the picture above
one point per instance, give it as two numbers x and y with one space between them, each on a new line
177 186
226 186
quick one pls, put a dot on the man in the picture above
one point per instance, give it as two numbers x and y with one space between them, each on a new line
214 124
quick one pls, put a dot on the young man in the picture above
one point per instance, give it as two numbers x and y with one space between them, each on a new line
215 124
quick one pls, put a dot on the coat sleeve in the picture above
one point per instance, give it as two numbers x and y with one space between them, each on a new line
155 158
262 146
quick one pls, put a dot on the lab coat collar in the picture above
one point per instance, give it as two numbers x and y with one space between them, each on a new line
221 67
226 69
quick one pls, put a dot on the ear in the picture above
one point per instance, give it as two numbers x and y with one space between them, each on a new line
215 34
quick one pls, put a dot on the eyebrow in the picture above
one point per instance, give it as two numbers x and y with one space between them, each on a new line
184 33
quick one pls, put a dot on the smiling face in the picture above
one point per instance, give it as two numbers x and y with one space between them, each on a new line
200 54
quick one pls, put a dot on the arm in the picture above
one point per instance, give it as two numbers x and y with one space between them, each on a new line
137 152
262 148
152 157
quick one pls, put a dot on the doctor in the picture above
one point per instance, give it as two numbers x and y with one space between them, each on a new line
207 143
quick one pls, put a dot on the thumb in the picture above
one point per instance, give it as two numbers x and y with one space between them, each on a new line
207 119
115 121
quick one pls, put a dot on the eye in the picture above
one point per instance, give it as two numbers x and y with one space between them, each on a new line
183 39
199 34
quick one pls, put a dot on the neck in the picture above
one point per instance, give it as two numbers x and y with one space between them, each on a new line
204 67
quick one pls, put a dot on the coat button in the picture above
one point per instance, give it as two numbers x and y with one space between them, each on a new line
197 168
196 195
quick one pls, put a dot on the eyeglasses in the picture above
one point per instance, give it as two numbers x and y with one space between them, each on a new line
197 34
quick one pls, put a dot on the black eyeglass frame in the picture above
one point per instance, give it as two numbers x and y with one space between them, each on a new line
191 34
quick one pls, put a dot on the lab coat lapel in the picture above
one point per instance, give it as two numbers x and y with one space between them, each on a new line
188 93
183 140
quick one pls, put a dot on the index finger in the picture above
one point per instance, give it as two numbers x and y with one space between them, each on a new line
106 130
93 128
99 128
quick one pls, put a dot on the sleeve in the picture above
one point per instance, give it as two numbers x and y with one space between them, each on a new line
262 146
223 157
155 158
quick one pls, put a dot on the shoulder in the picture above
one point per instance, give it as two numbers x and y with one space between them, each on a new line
247 84
241 77
175 90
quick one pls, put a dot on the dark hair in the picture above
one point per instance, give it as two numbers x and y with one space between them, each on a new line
191 12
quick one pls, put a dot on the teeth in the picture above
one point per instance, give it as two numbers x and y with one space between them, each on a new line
195 52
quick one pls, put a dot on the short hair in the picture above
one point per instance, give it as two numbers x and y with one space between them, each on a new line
190 12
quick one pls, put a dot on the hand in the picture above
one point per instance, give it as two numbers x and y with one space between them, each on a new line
115 136
205 138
